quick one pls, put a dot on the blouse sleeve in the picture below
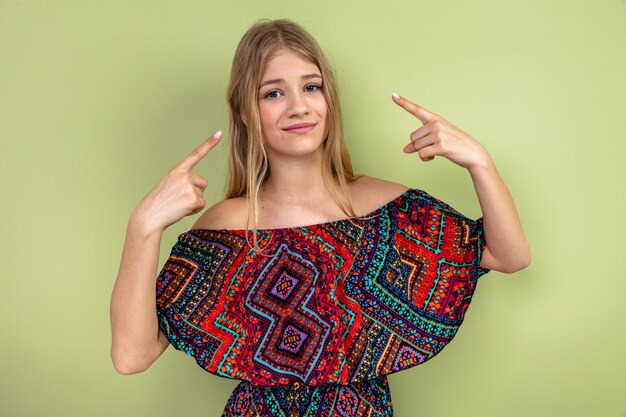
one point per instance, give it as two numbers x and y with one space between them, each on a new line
440 251
186 294
435 225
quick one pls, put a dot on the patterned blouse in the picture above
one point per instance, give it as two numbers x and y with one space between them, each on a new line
313 326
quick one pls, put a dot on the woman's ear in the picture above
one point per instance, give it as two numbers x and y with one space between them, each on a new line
243 119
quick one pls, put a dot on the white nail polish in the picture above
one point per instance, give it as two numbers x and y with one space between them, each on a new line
395 95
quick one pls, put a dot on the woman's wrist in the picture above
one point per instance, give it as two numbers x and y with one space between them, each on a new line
483 165
140 225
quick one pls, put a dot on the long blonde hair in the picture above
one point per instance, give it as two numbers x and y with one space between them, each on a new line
249 166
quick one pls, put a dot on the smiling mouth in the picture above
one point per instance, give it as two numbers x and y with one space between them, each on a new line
303 128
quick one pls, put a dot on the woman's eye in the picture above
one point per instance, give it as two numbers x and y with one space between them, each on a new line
272 94
312 87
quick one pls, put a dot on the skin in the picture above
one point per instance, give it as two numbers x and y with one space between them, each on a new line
291 93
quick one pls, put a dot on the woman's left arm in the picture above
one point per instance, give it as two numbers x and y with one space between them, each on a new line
506 246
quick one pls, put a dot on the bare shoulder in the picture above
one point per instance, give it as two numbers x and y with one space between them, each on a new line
369 193
225 214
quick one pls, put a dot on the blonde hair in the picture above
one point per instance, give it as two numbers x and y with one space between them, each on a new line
249 166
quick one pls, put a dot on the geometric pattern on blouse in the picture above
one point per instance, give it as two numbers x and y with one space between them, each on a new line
335 303
367 398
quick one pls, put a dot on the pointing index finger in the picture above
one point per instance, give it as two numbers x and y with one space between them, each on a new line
421 113
200 152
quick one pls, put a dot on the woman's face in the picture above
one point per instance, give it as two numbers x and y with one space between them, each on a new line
292 107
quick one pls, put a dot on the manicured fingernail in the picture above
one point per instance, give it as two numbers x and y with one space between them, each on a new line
217 134
395 95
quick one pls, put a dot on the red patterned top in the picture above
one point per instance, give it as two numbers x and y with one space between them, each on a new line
332 303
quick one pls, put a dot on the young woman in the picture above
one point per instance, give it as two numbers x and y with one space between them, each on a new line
307 282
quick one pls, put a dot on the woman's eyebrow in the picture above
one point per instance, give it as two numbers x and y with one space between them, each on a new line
280 80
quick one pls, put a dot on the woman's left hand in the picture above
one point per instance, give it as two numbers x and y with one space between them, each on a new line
438 137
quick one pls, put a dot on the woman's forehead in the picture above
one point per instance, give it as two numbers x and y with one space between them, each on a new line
287 61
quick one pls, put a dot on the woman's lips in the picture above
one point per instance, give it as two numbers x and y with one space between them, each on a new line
300 130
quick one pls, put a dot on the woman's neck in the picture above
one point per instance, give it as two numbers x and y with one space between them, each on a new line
296 181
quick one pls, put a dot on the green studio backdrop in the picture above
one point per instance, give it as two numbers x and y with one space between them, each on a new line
99 99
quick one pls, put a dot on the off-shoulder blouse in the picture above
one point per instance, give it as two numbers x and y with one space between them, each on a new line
328 310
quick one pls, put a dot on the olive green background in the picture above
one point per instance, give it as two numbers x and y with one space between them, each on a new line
99 99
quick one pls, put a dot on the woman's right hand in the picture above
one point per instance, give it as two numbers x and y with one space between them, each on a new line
177 194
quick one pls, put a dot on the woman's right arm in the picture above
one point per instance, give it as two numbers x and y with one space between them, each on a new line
136 339
135 332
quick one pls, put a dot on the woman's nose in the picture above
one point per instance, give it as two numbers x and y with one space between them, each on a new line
297 105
